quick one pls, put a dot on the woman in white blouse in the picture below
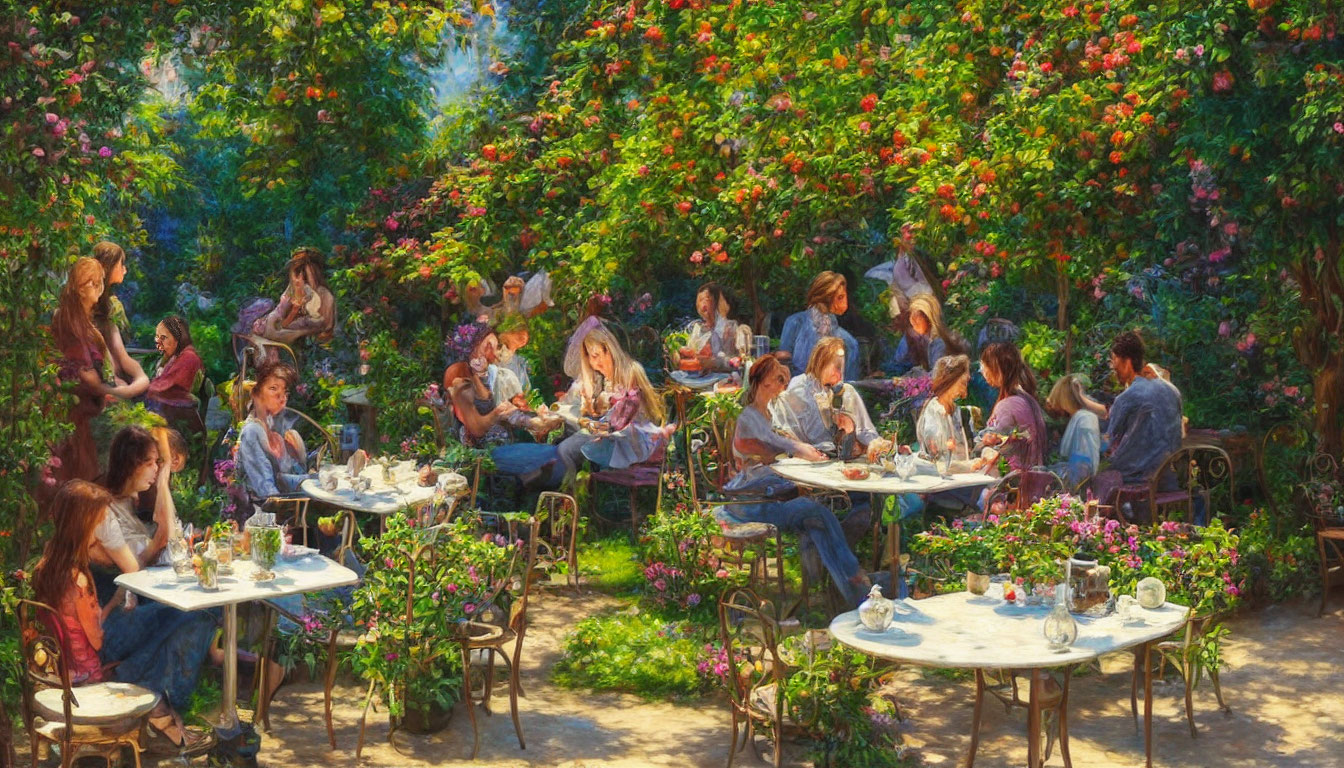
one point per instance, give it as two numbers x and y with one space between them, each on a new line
939 429
756 443
826 412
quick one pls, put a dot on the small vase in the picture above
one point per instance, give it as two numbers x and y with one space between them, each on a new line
977 583
876 612
1060 628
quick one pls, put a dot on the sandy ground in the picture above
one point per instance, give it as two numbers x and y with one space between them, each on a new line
1282 683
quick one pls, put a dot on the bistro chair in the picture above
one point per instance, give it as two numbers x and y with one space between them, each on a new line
1186 474
507 645
91 719
561 513
647 474
1020 489
749 636
340 637
1181 650
1322 467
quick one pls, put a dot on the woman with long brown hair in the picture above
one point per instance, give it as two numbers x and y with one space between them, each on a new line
84 361
756 443
110 318
163 657
926 339
827 299
1016 426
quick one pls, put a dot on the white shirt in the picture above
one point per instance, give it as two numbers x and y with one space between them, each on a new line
936 426
808 404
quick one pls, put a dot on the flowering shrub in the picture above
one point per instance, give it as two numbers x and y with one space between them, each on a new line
1198 565
1278 564
641 653
682 567
414 660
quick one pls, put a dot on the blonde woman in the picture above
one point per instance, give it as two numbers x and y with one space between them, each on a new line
611 401
827 413
1080 450
827 299
926 338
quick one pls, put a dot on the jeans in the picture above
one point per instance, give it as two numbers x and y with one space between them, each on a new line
820 529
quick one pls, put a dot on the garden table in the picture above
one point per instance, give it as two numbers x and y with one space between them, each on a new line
381 499
965 631
312 573
925 481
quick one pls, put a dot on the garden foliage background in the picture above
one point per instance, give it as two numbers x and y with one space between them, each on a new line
1075 167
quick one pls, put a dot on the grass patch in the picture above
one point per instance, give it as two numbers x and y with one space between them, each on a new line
640 653
611 564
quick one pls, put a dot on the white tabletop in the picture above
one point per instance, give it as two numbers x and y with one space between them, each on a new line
311 573
698 381
959 629
381 498
826 474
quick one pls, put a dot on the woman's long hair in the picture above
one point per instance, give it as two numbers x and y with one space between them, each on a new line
71 325
627 373
77 509
948 371
109 255
928 306
130 448
1014 373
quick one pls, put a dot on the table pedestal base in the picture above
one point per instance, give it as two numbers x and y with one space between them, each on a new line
238 743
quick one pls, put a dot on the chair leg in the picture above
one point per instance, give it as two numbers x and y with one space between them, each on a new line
471 708
732 748
514 690
328 683
1218 690
1188 672
489 684
1325 574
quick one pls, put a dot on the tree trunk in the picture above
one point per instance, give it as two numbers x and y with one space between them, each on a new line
1319 343
1062 317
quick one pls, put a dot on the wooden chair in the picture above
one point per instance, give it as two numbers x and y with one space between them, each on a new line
1019 489
95 718
561 512
1322 467
506 646
648 474
339 638
1180 650
748 633
1183 476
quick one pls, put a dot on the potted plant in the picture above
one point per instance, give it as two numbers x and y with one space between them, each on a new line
978 557
422 584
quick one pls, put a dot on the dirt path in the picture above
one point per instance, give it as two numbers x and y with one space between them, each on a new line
1282 683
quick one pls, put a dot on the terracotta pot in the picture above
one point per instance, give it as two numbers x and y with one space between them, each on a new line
977 583
430 720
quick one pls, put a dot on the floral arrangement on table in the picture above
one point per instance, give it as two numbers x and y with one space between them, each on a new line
415 660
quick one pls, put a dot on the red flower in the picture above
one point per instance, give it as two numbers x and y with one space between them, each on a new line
1047 67
946 191
1222 81
948 212
1117 157
490 153
684 206
868 102
653 34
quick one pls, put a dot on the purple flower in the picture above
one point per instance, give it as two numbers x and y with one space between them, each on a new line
104 152
390 656
469 608
452 589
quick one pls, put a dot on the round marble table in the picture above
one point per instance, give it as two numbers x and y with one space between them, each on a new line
381 499
982 633
925 480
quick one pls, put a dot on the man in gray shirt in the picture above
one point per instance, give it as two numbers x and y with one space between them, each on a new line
1145 420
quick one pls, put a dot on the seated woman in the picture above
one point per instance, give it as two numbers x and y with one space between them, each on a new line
153 646
827 299
488 399
926 339
940 430
172 390
825 412
307 307
611 401
714 338
271 455
1016 426
1080 449
124 543
755 445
